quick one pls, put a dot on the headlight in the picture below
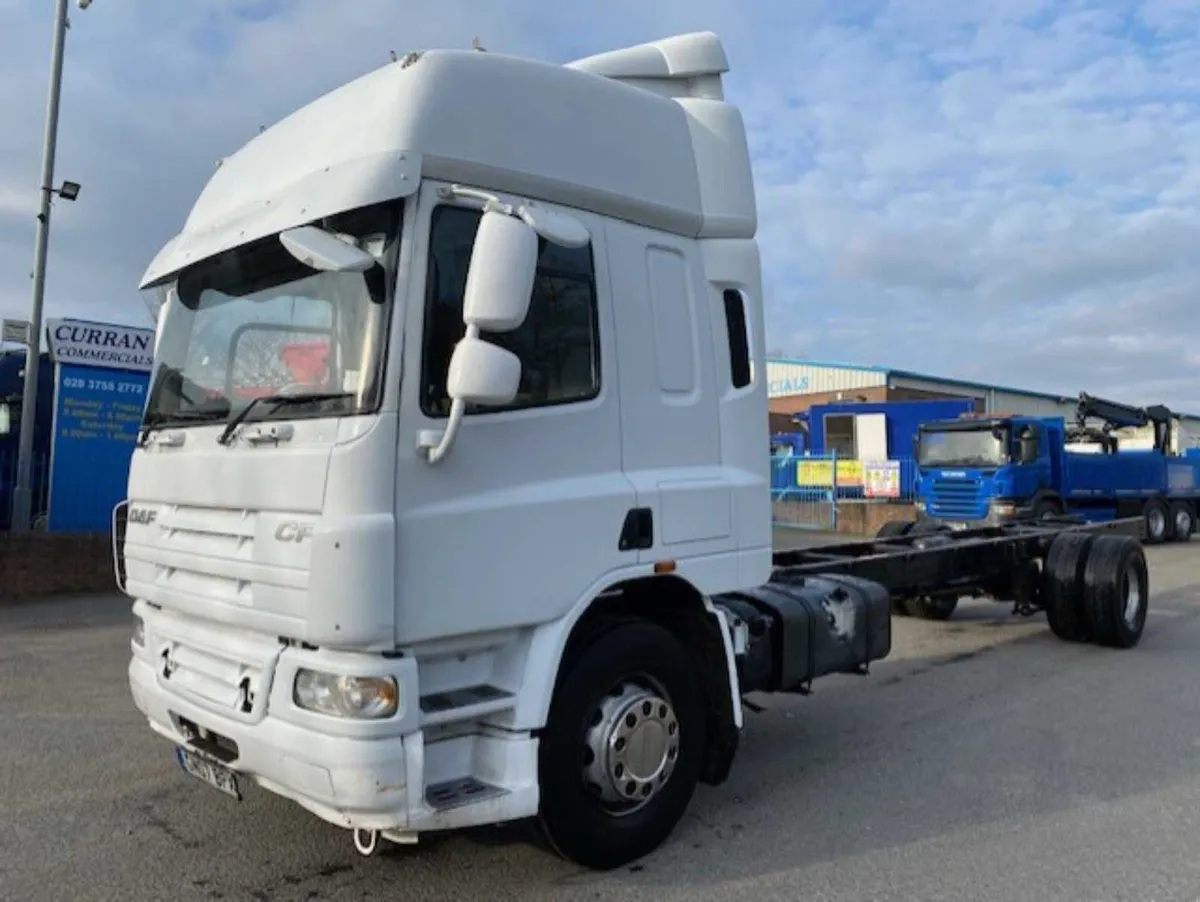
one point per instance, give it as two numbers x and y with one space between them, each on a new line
919 505
1003 508
346 696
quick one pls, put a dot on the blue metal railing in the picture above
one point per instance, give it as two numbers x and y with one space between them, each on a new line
807 489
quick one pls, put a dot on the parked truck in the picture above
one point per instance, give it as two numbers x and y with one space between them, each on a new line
12 384
990 469
507 553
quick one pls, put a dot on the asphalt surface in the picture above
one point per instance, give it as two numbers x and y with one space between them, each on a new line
984 760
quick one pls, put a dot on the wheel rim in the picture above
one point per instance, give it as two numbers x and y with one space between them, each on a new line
631 746
1133 600
1183 523
1157 522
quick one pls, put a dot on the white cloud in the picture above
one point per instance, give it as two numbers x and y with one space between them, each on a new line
1002 189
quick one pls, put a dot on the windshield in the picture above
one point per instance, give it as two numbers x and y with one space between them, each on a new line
255 322
983 447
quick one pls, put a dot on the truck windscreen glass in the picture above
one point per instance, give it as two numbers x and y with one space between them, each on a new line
963 448
255 322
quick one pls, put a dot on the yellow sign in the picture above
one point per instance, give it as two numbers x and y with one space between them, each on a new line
820 473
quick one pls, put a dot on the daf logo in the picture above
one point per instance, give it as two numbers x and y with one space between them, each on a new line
291 531
143 516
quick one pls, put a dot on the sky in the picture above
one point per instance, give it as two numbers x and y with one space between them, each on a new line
1002 190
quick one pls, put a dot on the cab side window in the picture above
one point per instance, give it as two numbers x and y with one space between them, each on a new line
558 344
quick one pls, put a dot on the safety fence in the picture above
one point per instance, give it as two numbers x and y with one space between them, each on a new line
811 491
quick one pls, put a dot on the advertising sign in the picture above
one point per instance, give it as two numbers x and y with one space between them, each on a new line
102 373
881 479
820 473
97 413
100 344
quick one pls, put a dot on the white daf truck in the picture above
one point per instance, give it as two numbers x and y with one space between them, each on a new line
450 505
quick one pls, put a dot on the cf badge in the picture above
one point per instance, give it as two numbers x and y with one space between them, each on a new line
291 531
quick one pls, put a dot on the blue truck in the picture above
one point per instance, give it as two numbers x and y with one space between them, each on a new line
12 383
978 470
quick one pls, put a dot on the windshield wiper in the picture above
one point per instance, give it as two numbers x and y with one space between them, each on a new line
278 401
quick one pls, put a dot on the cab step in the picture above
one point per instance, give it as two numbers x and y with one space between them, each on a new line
460 792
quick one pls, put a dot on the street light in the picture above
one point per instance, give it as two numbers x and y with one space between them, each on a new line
22 502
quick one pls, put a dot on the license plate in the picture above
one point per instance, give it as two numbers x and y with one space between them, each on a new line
958 527
215 775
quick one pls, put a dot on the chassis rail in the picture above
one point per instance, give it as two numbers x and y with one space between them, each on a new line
992 560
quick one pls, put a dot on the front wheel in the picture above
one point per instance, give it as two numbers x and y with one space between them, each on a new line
936 608
621 754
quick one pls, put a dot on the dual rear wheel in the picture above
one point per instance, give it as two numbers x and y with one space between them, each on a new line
1168 521
1096 589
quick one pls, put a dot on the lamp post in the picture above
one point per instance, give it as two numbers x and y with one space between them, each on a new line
22 502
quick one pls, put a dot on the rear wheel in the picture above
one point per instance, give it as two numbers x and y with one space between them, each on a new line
1157 519
1183 521
1116 584
1063 586
621 753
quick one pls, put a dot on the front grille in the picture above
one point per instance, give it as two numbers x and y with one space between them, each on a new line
958 499
222 682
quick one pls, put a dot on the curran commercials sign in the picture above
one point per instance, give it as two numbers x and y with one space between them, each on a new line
80 343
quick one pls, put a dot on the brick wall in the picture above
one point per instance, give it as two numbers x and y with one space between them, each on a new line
39 564
863 518
855 518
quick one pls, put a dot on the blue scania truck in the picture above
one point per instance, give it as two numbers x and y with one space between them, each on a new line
978 470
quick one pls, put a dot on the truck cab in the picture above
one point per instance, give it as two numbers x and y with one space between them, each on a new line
978 470
376 575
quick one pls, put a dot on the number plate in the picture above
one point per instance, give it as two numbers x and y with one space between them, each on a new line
215 775
957 526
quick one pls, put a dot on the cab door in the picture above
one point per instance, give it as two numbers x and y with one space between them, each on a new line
522 517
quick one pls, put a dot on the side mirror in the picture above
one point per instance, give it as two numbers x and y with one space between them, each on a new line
500 279
557 228
321 250
1029 449
482 373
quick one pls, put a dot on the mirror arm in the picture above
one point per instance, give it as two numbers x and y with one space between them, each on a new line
458 409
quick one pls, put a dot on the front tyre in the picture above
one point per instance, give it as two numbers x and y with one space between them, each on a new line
621 754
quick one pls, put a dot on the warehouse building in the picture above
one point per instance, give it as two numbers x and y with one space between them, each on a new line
794 386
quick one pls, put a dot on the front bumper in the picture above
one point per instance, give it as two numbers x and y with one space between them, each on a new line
359 774
998 512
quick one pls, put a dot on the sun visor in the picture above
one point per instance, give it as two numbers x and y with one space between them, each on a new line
221 219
